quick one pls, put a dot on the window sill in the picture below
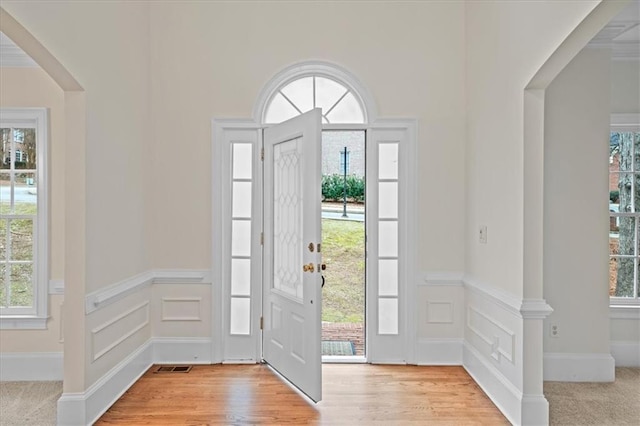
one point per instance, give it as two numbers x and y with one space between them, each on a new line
23 322
624 311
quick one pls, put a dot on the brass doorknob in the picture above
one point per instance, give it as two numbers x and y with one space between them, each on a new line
309 267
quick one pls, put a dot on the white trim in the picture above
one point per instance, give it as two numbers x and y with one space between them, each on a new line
176 350
38 119
507 349
321 68
439 351
535 410
625 120
94 332
181 276
23 322
503 299
453 279
410 217
192 316
30 366
117 291
535 309
575 367
86 407
56 287
504 394
626 354
631 312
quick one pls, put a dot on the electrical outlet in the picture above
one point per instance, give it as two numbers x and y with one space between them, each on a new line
483 234
554 331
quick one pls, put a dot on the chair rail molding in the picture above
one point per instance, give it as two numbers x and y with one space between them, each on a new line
117 291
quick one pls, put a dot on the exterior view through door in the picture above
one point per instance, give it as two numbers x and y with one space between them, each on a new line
343 245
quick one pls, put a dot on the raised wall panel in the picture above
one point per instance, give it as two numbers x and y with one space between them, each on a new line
109 335
181 309
439 312
499 338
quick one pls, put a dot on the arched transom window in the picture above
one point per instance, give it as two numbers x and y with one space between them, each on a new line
339 103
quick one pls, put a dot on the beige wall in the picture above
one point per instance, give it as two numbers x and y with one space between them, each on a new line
212 59
576 269
506 44
32 87
625 86
105 47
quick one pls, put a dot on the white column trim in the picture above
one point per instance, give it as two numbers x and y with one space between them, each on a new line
535 309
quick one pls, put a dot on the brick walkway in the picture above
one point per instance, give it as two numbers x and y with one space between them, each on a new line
345 331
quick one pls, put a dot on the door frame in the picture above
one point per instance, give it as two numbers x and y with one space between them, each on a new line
248 348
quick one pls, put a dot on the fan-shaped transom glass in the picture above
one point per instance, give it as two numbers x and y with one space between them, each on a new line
339 104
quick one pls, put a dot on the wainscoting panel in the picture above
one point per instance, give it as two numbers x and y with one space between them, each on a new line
493 346
440 309
181 309
498 338
110 334
439 312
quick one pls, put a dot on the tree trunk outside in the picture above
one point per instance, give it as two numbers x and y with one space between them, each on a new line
627 236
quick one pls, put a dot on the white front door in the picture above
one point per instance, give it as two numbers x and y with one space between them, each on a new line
292 298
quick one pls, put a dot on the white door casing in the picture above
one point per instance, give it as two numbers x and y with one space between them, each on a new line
292 298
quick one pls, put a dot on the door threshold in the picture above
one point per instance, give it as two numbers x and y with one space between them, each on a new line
343 359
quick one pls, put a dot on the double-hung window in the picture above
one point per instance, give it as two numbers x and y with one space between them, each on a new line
23 218
624 214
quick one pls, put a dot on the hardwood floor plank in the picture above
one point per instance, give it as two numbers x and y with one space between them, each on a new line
353 394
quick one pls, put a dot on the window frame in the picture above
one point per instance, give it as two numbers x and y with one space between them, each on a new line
627 123
36 316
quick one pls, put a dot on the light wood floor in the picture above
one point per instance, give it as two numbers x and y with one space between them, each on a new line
353 394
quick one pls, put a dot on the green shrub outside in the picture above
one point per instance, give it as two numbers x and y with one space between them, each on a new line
333 188
614 196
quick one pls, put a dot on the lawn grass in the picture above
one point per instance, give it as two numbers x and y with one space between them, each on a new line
21 249
343 253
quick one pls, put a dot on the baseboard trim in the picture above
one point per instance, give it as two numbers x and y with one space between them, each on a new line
626 354
31 366
86 407
504 394
575 367
168 350
439 351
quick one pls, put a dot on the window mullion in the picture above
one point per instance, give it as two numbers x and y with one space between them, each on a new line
291 102
336 103
7 268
